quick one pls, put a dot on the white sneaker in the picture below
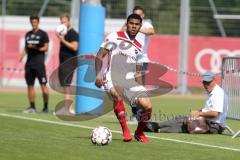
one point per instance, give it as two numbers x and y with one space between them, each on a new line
72 111
63 112
30 110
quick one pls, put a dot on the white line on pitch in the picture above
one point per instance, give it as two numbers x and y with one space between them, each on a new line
114 131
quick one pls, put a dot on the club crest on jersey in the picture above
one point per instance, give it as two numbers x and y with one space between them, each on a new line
136 51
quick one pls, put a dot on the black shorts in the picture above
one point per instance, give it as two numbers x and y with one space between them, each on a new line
65 76
33 72
68 64
66 72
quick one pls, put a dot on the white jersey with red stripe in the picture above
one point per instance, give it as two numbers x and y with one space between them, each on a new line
119 43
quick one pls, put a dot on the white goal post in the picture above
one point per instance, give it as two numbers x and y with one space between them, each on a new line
231 86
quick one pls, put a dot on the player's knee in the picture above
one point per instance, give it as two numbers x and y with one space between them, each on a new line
145 103
115 94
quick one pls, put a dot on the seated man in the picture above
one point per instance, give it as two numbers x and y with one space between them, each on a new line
210 119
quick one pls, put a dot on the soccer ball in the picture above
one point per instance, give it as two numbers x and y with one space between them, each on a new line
101 136
61 30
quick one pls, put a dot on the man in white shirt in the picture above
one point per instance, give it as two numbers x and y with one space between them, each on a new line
216 105
210 119
117 46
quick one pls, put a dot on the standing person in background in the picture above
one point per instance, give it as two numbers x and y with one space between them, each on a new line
36 44
147 28
145 32
68 50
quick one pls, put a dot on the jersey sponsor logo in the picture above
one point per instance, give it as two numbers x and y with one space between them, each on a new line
213 57
128 56
33 42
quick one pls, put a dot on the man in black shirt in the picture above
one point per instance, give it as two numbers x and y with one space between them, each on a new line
36 44
68 49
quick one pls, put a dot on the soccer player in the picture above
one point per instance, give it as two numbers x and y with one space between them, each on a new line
36 44
146 31
125 44
68 49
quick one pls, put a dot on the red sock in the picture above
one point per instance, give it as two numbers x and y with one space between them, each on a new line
143 117
120 112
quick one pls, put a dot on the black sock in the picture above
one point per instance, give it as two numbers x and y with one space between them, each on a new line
45 105
32 104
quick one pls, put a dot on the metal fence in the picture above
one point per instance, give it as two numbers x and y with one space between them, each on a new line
165 15
204 18
37 7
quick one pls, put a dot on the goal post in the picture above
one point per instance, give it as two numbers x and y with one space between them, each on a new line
231 86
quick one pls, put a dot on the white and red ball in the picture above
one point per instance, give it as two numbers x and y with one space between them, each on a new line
101 136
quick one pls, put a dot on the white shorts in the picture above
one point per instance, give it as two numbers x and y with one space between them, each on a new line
130 94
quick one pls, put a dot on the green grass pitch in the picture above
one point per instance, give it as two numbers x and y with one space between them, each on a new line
28 139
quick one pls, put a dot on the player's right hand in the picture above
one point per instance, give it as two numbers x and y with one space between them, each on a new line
99 82
194 114
61 38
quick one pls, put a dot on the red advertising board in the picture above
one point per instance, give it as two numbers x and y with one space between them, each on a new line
12 71
205 53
